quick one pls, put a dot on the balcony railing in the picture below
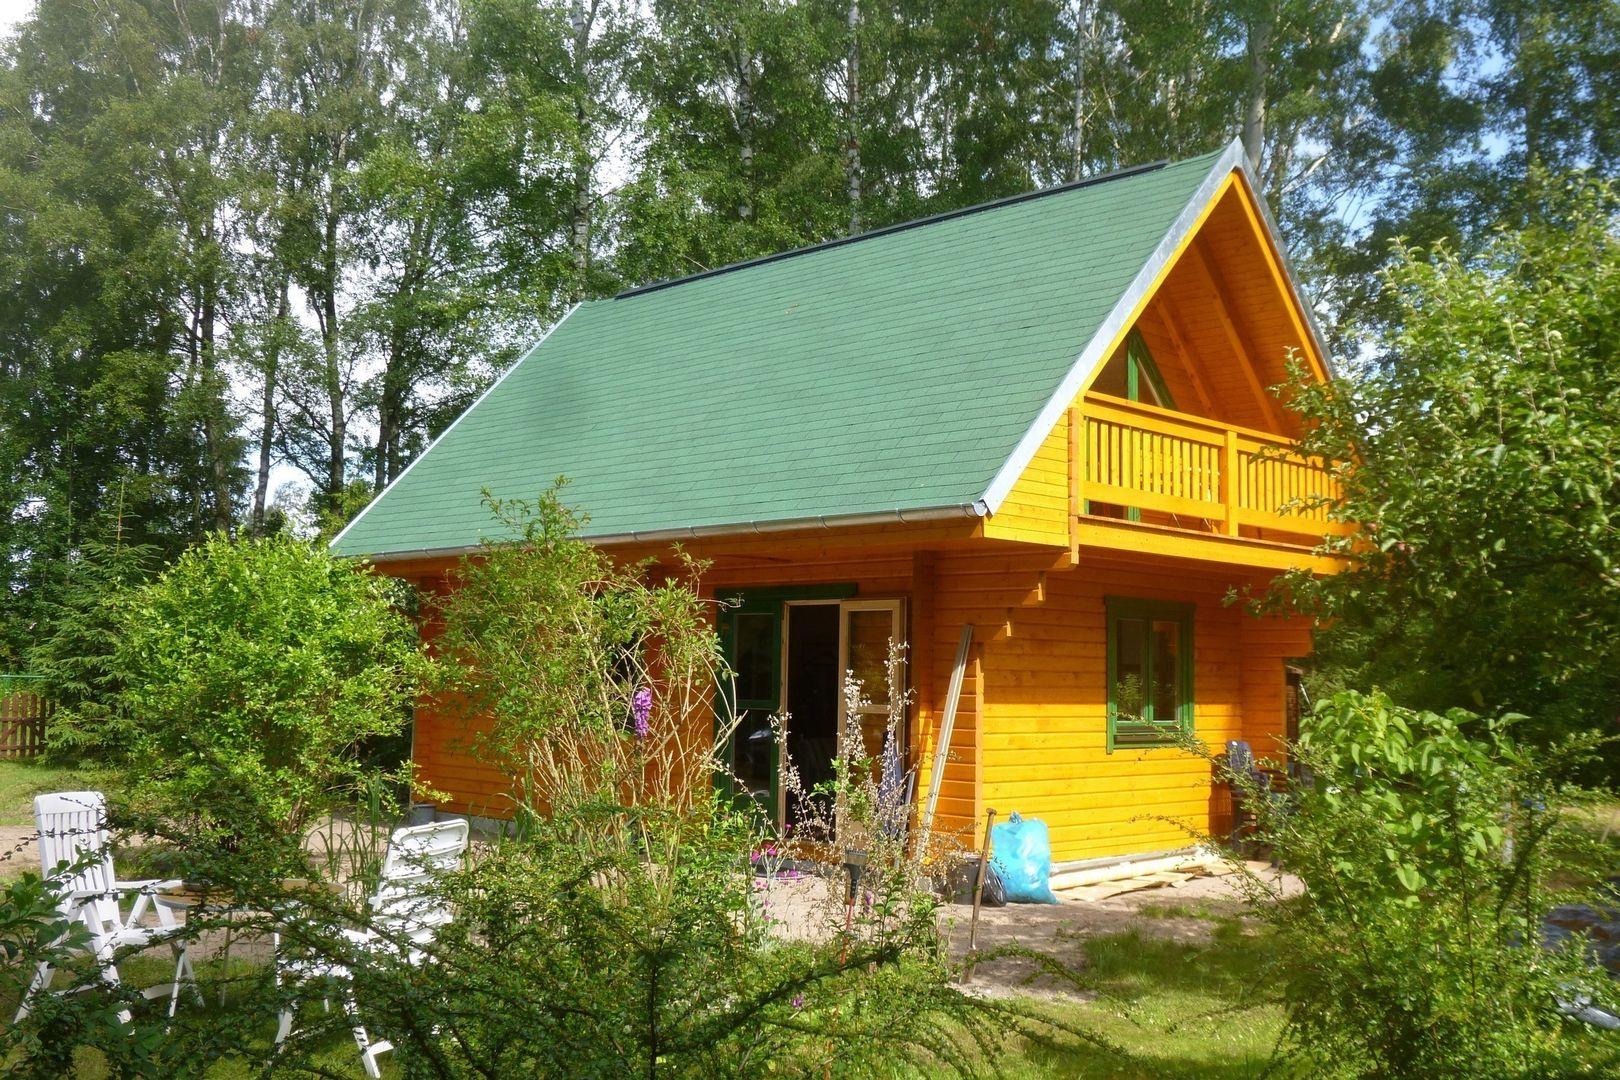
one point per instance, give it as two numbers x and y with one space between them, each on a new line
1167 468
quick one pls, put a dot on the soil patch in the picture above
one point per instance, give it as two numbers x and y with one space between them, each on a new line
1187 914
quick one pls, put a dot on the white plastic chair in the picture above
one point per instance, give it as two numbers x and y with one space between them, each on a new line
71 824
406 915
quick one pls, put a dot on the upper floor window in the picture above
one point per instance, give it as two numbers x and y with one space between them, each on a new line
1132 374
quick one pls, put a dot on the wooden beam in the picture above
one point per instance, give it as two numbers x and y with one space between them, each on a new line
1179 340
1292 301
1222 307
1224 552
1075 422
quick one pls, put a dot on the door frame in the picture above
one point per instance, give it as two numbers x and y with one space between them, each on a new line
777 600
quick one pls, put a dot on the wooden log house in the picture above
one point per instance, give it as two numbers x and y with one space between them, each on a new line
1048 417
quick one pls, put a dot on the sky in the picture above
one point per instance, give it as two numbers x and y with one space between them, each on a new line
12 12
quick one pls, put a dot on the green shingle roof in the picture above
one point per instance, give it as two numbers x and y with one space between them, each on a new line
899 371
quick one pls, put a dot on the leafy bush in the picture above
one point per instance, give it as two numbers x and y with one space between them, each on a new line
1431 847
1480 479
253 675
588 678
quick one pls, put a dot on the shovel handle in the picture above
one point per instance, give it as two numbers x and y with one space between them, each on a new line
978 894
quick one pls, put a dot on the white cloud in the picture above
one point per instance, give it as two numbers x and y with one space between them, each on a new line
13 12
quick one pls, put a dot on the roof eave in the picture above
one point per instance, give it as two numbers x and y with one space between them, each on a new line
823 522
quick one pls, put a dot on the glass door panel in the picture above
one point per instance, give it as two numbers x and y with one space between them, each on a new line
867 632
752 636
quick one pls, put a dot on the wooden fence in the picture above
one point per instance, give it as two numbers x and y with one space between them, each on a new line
24 709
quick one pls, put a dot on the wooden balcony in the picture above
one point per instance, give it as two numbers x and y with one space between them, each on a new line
1212 490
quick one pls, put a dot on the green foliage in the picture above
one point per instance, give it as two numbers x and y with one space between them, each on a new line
1431 157
252 674
1482 480
552 641
649 958
33 930
77 653
1431 847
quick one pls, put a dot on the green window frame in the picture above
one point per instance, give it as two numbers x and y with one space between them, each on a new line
1141 367
1141 370
1145 715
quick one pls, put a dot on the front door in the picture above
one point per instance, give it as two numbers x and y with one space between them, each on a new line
789 655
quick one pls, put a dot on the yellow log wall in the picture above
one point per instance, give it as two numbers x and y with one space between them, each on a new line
1030 732
1044 748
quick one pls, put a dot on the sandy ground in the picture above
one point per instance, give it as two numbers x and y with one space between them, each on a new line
17 851
1060 930
813 907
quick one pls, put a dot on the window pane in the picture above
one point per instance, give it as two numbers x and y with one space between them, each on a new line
869 653
1112 378
756 643
1146 391
1166 697
753 742
1129 635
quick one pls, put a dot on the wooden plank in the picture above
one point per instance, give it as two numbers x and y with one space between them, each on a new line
1190 360
1207 547
947 725
1221 307
1130 413
1146 500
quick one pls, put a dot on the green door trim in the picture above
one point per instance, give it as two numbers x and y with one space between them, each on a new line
766 600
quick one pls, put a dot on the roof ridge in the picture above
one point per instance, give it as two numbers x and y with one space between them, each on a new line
931 219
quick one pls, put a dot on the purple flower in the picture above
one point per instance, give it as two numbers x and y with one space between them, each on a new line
798 1001
640 710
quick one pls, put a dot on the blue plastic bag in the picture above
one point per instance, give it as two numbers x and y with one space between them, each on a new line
1021 852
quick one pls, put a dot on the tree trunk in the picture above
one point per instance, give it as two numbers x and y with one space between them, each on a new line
339 433
390 406
852 163
581 238
1082 19
219 465
267 410
746 60
1262 27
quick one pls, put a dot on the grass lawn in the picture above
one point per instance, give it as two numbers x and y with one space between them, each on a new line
23 778
1175 1008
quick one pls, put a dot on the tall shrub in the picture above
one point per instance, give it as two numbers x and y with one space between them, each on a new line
1481 479
1431 847
253 675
